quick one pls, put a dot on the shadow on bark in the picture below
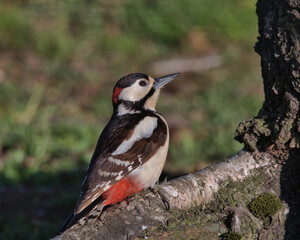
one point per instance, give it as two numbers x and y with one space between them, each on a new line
290 193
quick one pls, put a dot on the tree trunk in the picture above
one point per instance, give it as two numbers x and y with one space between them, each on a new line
277 127
216 200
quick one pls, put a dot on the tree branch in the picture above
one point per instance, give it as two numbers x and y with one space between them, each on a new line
152 208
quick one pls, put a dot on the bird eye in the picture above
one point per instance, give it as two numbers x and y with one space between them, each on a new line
143 83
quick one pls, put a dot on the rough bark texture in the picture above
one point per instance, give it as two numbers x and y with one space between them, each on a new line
224 190
277 126
216 199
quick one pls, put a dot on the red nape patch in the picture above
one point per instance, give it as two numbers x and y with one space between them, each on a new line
116 94
122 189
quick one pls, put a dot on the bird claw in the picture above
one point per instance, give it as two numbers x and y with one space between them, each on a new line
165 201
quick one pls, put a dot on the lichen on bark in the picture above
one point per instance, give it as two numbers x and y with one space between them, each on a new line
277 125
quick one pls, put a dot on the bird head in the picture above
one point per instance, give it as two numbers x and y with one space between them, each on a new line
137 91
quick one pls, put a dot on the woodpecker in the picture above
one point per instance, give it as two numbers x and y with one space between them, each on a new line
131 150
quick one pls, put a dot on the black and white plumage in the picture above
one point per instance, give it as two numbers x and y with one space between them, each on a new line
131 151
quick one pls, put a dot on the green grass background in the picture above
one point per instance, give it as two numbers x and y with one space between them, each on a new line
59 61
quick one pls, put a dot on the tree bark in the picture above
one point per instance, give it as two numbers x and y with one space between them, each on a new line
277 127
157 208
216 199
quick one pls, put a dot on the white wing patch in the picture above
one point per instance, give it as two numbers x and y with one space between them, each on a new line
133 165
140 159
147 174
98 186
118 162
144 129
106 187
107 174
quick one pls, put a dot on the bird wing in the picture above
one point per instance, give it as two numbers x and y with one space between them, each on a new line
118 155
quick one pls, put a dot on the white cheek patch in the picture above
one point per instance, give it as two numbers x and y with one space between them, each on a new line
135 92
151 102
144 129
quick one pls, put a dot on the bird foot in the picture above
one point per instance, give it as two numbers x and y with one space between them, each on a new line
155 191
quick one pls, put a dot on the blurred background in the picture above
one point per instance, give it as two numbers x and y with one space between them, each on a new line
59 61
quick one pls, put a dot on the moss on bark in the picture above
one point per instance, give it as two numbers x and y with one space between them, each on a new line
265 205
228 212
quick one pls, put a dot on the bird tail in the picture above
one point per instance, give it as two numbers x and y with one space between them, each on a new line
87 215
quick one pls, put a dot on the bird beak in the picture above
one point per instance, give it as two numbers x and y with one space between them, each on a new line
159 82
